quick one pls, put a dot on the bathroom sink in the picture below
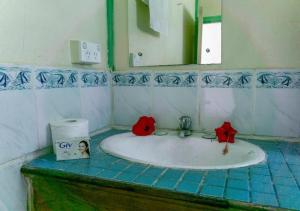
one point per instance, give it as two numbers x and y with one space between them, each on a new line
192 152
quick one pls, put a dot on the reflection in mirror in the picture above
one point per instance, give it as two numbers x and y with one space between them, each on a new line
209 32
170 32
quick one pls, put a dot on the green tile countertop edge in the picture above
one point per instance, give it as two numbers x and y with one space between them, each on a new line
28 171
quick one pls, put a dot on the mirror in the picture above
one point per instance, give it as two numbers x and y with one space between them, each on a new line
174 32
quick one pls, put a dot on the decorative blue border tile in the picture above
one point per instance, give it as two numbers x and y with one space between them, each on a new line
131 79
176 79
226 79
55 78
93 79
270 79
15 78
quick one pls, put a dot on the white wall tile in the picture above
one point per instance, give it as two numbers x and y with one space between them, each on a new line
170 103
18 124
13 188
131 102
55 104
277 112
227 104
96 106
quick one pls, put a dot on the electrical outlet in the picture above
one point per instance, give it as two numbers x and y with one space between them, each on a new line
83 52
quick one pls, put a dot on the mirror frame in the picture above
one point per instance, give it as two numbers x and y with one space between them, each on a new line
110 34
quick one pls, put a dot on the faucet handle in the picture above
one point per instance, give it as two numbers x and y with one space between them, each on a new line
185 123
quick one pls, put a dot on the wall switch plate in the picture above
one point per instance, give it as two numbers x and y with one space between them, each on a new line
83 52
135 60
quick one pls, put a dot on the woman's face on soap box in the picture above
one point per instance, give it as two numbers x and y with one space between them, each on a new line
72 148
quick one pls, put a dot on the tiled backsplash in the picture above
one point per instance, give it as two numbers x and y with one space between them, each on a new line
31 97
261 102
257 102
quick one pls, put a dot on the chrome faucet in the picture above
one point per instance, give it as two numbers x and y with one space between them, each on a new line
185 126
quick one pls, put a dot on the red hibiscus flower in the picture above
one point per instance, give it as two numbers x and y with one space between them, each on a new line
226 133
144 126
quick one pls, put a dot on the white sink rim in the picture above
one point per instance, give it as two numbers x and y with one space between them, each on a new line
142 150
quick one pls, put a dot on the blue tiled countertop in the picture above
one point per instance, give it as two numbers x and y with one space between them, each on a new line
275 183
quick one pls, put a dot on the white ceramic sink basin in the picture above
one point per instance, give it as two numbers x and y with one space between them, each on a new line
189 153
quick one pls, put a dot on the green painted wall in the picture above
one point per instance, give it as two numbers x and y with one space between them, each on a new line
38 32
211 7
256 34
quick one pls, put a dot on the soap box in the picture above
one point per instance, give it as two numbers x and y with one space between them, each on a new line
72 148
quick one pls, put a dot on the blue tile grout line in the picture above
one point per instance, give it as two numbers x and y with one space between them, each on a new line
288 165
261 184
276 194
180 179
160 176
226 182
250 186
202 182
127 167
141 173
